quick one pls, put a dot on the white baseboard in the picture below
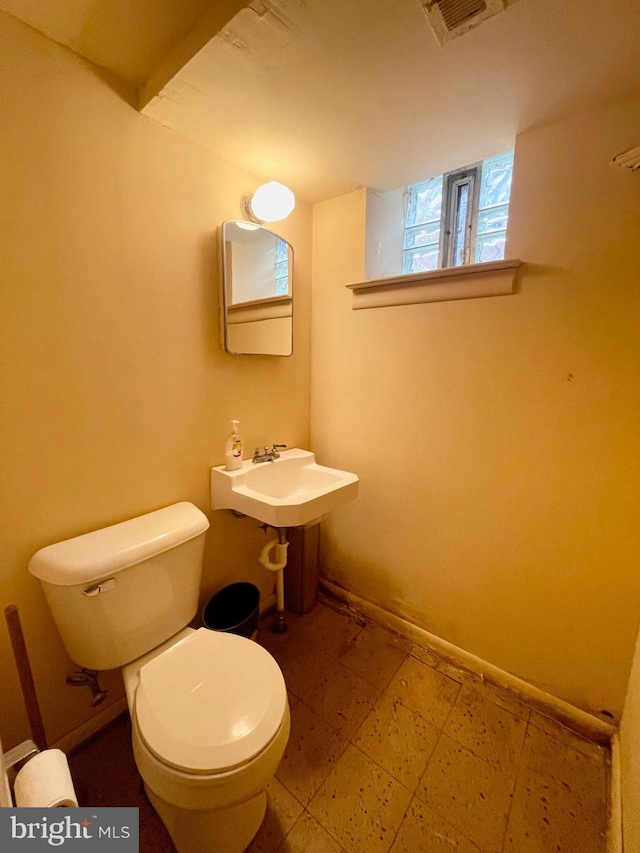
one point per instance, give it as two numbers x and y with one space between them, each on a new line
614 830
91 727
574 718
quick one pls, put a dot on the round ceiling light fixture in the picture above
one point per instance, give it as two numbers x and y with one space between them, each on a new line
269 203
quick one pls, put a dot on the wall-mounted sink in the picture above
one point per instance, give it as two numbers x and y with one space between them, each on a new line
288 492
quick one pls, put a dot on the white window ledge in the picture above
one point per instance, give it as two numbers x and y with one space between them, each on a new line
496 278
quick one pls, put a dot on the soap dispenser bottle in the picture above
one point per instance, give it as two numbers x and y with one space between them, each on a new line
233 449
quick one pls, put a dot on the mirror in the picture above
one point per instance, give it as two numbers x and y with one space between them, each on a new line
257 290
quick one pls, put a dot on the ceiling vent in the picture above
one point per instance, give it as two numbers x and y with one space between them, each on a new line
452 18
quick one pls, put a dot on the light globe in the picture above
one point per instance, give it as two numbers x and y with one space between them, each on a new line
272 202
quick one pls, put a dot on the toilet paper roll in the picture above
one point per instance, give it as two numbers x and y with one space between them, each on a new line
45 782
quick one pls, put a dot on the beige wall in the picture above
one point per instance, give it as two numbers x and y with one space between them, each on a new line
630 758
116 395
497 439
498 502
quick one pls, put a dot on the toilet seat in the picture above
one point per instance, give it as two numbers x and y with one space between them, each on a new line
210 703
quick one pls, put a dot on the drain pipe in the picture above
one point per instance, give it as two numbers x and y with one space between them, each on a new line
280 546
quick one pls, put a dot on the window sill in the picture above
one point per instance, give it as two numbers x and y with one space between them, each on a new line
497 278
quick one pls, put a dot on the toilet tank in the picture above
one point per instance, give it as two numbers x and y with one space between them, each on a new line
119 592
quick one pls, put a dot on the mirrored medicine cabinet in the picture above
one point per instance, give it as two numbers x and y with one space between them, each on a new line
257 290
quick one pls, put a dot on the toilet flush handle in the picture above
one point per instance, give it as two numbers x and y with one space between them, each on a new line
103 586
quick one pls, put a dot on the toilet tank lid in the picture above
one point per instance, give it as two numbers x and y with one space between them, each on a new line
104 552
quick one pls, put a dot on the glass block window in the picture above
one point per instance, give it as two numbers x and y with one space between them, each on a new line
459 217
282 268
422 226
493 207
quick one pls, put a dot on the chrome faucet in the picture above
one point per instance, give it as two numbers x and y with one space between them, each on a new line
268 455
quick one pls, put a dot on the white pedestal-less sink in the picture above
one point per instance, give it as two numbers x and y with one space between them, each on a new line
288 492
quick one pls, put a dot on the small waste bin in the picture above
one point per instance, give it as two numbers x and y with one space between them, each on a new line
235 609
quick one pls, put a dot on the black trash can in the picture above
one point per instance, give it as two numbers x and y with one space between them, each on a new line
235 609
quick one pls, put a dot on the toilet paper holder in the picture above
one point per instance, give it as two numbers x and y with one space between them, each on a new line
14 759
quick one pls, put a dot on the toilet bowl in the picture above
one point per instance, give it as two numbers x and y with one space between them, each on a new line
209 710
210 722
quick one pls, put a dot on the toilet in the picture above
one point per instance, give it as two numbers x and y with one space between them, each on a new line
209 710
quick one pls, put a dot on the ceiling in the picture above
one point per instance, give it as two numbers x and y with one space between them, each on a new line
129 38
326 95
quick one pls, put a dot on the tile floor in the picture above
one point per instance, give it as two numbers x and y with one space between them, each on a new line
394 751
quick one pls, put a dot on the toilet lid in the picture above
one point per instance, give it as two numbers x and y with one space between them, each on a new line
210 703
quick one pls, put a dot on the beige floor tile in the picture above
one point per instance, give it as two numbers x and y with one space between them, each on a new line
105 768
555 772
153 835
423 831
552 825
497 695
302 664
455 672
267 639
566 736
375 655
421 688
461 801
271 639
104 774
507 701
485 728
425 656
313 749
473 795
283 810
342 698
331 630
307 836
397 739
560 801
360 805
